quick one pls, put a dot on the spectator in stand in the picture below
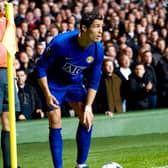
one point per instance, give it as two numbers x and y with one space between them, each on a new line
43 31
58 19
149 29
30 103
20 38
77 12
21 14
31 53
141 40
39 50
72 19
37 15
45 9
53 31
63 27
123 72
139 89
144 23
35 33
151 73
162 77
159 50
153 40
30 41
124 49
47 21
24 61
17 64
131 36
130 33
111 53
164 33
142 49
30 20
55 9
25 28
109 96
32 5
49 37
106 37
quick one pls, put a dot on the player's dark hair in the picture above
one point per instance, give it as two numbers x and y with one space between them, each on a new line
88 18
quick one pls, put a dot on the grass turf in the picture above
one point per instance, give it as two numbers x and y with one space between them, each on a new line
143 151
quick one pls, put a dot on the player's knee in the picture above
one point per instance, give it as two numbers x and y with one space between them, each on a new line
5 122
55 119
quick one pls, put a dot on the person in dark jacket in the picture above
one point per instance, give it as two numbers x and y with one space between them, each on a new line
162 77
139 89
30 102
150 71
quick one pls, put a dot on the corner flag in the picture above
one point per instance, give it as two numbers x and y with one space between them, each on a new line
9 38
9 41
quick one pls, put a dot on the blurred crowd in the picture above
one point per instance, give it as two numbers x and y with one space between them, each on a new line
135 39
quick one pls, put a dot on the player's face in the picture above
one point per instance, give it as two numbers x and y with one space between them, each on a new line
95 30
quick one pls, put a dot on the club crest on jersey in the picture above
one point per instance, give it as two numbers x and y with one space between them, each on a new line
89 59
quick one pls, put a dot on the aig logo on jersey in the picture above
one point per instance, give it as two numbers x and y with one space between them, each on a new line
89 59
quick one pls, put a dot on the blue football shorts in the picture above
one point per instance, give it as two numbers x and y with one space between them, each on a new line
4 107
68 93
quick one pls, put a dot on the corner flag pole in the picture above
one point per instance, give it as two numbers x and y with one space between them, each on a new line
9 40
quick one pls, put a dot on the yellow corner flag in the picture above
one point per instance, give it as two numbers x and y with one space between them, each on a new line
9 38
9 41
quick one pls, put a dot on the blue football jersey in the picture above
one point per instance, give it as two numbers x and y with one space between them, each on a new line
64 61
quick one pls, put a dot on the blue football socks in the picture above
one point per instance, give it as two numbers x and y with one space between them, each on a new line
5 145
56 146
83 139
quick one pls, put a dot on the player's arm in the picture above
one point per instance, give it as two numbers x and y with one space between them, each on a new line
90 96
95 71
93 83
45 61
88 114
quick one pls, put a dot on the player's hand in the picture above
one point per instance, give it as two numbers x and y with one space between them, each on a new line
52 102
88 117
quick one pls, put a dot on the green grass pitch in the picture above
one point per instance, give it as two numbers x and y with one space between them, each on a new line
144 151
134 140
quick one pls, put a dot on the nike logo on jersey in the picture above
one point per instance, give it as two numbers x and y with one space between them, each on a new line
73 69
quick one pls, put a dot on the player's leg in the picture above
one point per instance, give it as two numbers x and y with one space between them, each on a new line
55 126
55 137
83 136
5 139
